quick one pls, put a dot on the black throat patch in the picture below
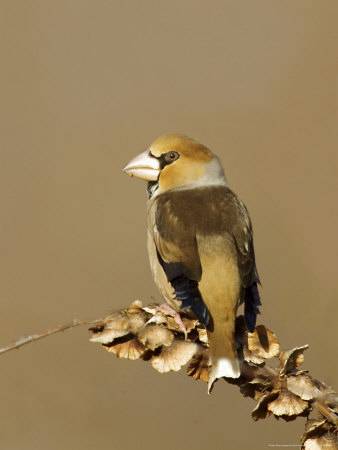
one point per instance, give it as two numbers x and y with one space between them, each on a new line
152 187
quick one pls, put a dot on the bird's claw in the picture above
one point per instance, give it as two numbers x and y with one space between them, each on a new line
170 311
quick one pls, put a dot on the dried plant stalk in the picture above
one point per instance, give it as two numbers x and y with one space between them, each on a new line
268 375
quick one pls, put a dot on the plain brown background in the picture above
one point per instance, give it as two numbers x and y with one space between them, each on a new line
85 86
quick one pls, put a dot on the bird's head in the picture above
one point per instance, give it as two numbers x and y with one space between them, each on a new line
174 161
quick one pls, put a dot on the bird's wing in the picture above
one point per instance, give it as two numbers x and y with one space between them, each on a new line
242 233
177 253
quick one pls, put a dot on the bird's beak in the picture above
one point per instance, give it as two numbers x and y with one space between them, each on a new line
144 166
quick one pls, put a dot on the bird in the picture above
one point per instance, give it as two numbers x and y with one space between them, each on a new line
200 243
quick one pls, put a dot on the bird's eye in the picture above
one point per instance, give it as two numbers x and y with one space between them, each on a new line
168 158
171 156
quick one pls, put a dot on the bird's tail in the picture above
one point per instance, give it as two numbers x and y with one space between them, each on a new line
220 287
223 361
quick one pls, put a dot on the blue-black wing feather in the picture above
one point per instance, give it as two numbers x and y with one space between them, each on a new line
185 290
251 305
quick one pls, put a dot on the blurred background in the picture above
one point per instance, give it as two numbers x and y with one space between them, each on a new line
85 86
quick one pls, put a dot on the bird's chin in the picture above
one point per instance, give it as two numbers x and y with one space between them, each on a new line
144 173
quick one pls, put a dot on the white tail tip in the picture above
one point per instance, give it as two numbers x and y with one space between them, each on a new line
223 367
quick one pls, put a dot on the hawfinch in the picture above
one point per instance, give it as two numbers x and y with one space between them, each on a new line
199 242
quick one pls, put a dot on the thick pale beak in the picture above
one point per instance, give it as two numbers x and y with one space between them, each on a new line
144 166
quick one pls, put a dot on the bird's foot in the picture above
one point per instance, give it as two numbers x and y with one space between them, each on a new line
170 311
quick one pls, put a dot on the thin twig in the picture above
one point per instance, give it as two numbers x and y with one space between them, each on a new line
35 337
326 412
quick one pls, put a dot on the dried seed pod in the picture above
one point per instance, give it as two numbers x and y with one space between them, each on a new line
135 307
261 411
152 308
113 326
202 335
137 320
117 321
130 349
198 367
106 336
263 343
291 359
328 442
158 319
287 404
249 390
175 356
153 336
253 391
251 357
303 386
314 428
189 324
255 386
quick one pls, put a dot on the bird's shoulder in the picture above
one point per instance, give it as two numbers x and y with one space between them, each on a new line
207 210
